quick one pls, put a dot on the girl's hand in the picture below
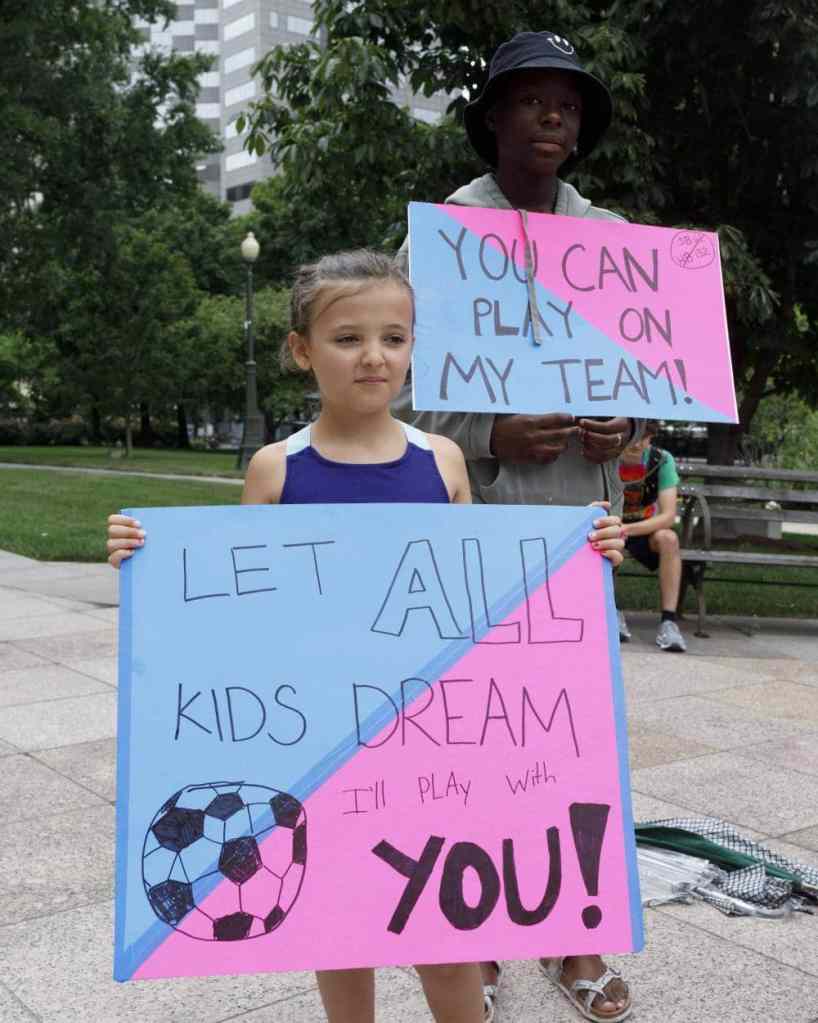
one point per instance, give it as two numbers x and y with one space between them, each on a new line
125 535
608 536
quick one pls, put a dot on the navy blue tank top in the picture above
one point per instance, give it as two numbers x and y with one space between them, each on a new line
312 479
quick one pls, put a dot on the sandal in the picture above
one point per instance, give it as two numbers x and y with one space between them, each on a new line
490 995
581 993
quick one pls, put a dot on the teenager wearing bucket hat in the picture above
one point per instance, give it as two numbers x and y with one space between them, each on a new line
541 51
539 113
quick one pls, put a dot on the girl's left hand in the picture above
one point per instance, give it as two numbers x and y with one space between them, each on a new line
608 536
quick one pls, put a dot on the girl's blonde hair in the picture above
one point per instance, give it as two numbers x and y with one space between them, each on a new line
352 269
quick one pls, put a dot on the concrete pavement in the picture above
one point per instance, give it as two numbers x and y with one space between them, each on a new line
730 729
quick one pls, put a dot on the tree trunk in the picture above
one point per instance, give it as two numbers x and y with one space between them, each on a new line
271 425
128 435
96 424
723 443
724 440
754 391
146 434
182 437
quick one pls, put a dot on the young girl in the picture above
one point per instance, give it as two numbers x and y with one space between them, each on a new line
352 327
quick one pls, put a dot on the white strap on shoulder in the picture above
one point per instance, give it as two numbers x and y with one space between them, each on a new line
416 436
298 441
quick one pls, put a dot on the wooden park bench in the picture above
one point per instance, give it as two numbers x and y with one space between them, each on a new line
740 494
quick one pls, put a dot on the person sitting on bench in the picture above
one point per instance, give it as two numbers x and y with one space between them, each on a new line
650 479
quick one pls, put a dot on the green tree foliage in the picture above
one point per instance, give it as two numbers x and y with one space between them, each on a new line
216 355
199 227
13 374
352 157
124 323
29 376
716 127
732 103
784 433
92 134
108 236
192 249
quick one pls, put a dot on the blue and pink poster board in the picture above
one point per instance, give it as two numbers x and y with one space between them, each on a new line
367 735
630 319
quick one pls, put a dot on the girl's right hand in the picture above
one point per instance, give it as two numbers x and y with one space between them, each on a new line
125 535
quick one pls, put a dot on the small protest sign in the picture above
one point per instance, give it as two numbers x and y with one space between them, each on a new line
366 735
610 318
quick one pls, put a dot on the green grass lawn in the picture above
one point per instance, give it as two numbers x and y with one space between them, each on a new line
190 463
55 516
638 590
61 517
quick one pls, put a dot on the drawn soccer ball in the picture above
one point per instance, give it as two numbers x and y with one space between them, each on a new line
224 861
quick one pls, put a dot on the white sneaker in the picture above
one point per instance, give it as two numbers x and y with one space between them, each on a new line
670 638
624 631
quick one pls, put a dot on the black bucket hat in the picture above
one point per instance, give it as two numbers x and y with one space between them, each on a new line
532 50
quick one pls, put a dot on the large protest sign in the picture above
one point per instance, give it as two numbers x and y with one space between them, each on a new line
616 319
367 735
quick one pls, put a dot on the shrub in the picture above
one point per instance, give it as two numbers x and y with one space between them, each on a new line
12 431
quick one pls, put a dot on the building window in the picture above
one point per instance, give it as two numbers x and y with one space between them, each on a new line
237 160
273 19
226 4
240 93
239 60
208 111
239 192
162 41
209 46
427 115
239 27
301 26
206 17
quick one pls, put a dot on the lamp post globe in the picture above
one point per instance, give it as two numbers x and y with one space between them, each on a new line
249 248
253 434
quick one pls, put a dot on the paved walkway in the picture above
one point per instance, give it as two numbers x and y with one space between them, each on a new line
730 729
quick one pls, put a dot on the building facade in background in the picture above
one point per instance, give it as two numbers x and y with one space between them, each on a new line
237 33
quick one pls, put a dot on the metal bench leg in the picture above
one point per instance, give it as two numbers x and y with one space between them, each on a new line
698 578
680 607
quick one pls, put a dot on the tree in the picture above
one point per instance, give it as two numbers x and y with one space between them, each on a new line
200 228
100 138
88 305
92 131
124 323
785 433
716 127
217 353
350 157
733 106
29 378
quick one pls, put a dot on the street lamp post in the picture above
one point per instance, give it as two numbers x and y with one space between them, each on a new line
253 436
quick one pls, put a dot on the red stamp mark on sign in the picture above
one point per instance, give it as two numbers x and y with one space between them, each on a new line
692 250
